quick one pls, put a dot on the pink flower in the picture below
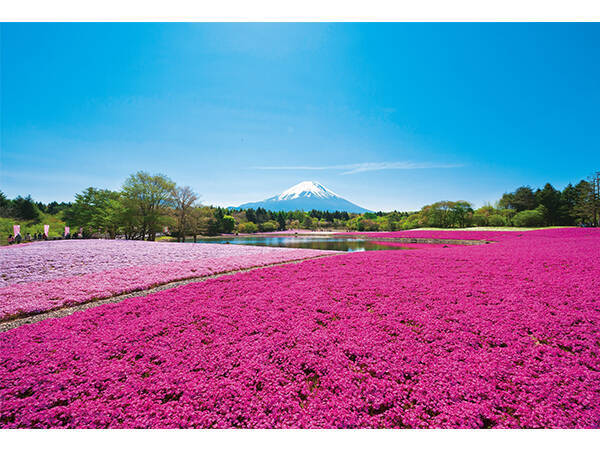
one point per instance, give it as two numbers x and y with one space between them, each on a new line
503 335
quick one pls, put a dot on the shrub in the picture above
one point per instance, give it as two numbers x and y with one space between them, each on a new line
480 220
248 227
496 220
529 218
368 225
270 225
228 224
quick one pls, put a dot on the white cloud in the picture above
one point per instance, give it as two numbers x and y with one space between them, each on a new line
349 169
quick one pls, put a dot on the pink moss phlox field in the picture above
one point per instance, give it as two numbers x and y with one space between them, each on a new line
408 246
439 234
41 261
54 274
487 336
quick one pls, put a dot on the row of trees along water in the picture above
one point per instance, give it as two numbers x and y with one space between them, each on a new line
148 204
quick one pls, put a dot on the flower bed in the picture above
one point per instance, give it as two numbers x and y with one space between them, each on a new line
491 235
439 234
501 335
42 261
48 275
410 245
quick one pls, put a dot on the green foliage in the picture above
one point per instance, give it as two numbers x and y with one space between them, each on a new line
368 225
530 218
308 223
520 200
587 207
55 207
183 199
4 204
269 225
247 227
97 210
497 220
550 199
480 220
147 203
209 226
250 215
228 224
446 214
57 226
489 216
281 220
411 222
148 199
25 209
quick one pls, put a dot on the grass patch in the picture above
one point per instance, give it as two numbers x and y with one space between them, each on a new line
57 226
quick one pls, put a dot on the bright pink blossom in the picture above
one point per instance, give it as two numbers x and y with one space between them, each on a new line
49 275
504 335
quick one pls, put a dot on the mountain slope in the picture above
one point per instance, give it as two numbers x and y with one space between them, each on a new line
306 196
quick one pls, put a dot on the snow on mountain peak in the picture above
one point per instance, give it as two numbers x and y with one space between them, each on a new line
306 196
306 189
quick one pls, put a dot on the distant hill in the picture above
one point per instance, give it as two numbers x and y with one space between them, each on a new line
306 196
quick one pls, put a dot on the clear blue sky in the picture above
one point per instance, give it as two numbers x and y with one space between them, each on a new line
390 116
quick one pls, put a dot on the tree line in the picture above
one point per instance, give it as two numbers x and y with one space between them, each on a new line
575 205
25 208
148 205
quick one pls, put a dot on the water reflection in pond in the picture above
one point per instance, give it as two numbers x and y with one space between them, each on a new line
344 244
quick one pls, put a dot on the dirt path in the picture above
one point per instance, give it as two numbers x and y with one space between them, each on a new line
68 310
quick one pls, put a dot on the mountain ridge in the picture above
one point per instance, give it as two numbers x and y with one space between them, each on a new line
306 196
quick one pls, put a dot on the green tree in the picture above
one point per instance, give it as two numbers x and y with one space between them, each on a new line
117 218
5 205
55 207
497 220
437 214
281 220
192 223
530 217
183 199
247 227
568 202
587 209
93 210
205 221
269 225
460 213
368 225
149 197
520 200
251 215
550 199
228 224
307 223
25 208
261 215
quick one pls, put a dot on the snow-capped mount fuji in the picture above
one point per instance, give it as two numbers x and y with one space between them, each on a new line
306 189
306 196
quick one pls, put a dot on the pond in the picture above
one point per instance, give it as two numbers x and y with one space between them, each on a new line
339 243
